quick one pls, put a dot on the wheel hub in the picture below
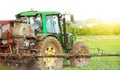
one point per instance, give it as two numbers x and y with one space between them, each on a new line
50 62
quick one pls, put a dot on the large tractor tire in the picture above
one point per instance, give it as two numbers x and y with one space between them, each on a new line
79 48
50 46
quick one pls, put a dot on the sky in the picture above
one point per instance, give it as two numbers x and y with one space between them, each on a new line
82 9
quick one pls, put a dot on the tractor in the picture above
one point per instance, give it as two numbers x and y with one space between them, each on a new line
35 32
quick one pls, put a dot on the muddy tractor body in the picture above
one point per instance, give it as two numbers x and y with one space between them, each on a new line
41 33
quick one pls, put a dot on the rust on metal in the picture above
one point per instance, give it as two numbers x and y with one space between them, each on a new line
56 55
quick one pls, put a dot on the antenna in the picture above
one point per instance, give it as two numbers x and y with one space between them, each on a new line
32 9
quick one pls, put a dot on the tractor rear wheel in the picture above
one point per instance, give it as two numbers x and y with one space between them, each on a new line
79 48
50 46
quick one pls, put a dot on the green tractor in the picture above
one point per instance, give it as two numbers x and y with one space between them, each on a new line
43 33
52 39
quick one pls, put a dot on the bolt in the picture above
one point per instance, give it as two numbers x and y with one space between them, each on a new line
16 65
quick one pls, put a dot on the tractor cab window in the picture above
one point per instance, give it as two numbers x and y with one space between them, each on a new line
52 24
33 24
38 19
36 23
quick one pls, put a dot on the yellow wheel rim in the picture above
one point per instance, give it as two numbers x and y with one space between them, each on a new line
50 62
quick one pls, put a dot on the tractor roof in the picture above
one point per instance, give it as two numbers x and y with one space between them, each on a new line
33 13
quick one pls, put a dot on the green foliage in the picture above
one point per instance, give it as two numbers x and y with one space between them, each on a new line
98 29
110 46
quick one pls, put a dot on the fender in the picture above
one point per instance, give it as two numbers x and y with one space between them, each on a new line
43 36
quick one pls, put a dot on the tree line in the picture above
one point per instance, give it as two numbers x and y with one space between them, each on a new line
98 29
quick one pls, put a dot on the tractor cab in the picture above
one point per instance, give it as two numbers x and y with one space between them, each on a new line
47 24
44 22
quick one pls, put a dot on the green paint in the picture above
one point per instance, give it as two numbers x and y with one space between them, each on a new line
33 13
44 24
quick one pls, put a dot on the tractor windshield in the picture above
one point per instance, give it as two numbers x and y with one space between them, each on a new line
35 22
52 24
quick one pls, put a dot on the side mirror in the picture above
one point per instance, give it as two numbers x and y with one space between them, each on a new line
72 17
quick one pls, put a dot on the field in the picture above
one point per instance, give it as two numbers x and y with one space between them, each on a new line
105 44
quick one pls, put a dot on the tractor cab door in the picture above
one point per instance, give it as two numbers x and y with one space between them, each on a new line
52 25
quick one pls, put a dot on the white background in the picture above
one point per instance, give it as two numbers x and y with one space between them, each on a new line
82 9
